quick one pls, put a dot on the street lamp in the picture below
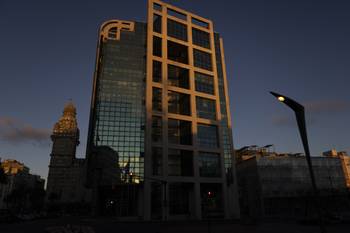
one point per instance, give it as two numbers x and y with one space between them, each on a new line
300 117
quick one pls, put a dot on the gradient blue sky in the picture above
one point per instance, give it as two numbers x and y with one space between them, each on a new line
299 47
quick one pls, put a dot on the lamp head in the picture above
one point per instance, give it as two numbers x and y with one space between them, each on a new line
281 98
289 102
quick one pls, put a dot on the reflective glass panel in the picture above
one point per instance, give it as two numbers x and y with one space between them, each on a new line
205 108
157 71
201 38
179 103
179 132
177 30
157 23
157 99
178 76
156 129
204 83
177 52
202 59
157 161
209 164
157 46
207 136
180 163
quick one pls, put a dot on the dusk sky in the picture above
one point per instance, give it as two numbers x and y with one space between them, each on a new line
300 48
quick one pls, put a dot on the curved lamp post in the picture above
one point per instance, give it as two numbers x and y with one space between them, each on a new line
300 117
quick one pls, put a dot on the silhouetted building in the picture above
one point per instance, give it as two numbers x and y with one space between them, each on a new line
160 102
279 186
66 172
20 187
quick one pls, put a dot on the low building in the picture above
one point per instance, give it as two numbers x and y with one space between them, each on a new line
21 188
11 166
345 160
279 185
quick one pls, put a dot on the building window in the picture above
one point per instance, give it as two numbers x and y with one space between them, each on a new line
199 23
177 30
207 136
202 59
178 77
157 71
204 83
157 7
177 52
156 129
215 204
179 198
179 103
201 38
179 132
177 14
157 46
157 99
157 23
112 33
180 163
209 164
157 161
205 108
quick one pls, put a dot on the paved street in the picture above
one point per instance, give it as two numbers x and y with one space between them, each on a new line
104 225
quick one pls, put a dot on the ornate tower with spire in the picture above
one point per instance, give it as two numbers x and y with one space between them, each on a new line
64 182
65 135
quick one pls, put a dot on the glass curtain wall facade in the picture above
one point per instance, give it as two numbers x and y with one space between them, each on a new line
117 121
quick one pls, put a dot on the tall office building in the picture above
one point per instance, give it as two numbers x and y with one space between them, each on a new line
159 142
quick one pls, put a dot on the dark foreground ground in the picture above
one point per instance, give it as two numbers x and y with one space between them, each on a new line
107 225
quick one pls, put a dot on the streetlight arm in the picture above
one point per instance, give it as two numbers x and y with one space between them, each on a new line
300 116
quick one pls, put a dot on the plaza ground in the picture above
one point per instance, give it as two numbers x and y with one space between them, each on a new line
106 225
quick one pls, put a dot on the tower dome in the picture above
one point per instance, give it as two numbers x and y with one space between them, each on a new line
67 124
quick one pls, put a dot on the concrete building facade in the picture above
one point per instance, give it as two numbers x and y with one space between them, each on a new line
279 186
160 110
